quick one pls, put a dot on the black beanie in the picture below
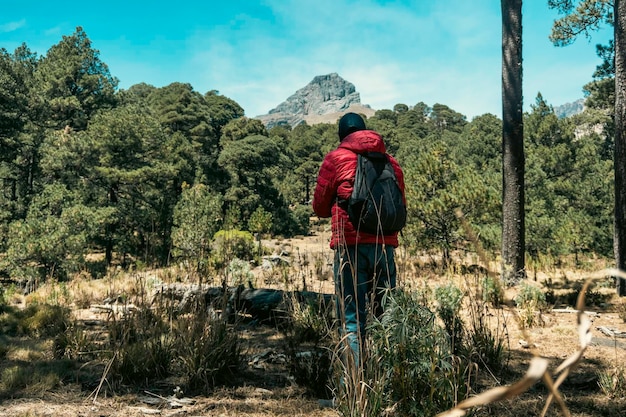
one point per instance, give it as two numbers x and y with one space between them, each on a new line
350 122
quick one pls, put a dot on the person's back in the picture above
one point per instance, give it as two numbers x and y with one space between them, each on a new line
364 264
336 180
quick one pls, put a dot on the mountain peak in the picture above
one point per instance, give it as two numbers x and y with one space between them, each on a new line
324 95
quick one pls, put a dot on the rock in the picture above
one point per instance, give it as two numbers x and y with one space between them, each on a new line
326 95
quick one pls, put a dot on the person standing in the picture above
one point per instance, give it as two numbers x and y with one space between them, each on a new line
364 263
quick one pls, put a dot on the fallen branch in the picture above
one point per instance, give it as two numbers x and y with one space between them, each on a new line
611 332
571 310
261 304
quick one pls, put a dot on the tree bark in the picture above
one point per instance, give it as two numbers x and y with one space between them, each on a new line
513 163
619 159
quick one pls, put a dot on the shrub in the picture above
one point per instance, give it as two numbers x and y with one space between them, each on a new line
310 338
239 273
423 376
449 298
142 345
231 244
208 352
531 302
40 320
492 291
613 382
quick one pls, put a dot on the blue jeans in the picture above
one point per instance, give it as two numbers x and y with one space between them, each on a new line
362 275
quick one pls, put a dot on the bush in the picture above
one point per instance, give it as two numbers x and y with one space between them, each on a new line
613 382
531 302
493 292
310 341
423 375
231 244
239 273
449 298
40 320
143 347
208 352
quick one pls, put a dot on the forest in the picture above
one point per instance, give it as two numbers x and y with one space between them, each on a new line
99 183
151 174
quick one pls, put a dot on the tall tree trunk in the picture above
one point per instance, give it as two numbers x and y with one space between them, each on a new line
619 159
110 228
513 245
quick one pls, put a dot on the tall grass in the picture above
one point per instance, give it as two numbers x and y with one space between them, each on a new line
408 366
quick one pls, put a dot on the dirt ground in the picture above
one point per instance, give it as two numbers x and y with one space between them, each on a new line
266 388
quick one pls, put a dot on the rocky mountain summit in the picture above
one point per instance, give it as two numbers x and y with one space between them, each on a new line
324 99
570 109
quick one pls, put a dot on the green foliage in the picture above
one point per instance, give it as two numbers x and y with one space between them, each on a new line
239 273
531 302
301 215
310 340
436 187
142 347
232 244
492 291
208 352
260 221
13 107
36 320
149 343
73 83
121 158
241 128
565 175
612 382
197 217
582 18
424 377
45 320
34 379
449 299
54 237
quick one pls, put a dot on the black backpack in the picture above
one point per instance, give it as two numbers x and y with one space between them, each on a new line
376 205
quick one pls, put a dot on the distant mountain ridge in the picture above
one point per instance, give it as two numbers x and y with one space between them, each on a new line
570 109
322 100
327 97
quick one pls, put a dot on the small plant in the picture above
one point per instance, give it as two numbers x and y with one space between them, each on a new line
310 339
208 351
142 347
449 298
414 356
231 244
493 291
486 343
76 344
531 302
239 273
613 382
40 320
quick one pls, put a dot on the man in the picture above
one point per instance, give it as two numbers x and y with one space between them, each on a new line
364 265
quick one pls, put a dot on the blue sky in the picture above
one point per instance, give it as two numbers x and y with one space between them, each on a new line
260 52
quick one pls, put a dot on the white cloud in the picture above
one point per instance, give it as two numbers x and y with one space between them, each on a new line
12 26
398 52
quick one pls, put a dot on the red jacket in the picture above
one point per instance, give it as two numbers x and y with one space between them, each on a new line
335 182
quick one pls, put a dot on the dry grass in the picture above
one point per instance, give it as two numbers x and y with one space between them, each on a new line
267 390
